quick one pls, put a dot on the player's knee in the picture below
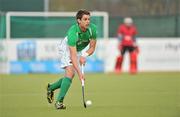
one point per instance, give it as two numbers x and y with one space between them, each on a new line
70 72
133 56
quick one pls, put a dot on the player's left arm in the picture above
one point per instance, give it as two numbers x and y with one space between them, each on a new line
92 43
135 40
92 47
90 51
135 34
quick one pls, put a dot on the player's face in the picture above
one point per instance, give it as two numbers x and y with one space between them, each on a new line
128 24
84 22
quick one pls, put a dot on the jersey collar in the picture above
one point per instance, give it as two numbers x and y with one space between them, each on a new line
79 29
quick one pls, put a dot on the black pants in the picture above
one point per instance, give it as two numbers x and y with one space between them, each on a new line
127 48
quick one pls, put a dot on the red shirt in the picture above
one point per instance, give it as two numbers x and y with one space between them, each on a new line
128 34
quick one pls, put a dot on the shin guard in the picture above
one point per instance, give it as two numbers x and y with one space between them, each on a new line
133 62
118 64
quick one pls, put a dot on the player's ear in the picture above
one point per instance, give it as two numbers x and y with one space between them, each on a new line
78 20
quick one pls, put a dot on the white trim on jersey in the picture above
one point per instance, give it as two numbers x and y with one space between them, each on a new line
64 53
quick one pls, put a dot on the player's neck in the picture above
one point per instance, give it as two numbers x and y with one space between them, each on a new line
82 28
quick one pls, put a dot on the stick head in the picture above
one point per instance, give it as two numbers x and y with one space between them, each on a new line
85 104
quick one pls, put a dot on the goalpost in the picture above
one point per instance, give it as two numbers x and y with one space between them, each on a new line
48 22
33 38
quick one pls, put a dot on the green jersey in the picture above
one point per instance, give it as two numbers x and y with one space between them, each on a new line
80 39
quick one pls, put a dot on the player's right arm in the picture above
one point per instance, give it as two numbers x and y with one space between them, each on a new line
74 60
72 37
134 36
119 33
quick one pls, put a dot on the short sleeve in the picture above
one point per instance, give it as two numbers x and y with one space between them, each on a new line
118 31
94 32
72 37
121 28
135 30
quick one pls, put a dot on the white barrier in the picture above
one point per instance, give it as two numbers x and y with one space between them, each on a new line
4 67
41 56
159 54
156 54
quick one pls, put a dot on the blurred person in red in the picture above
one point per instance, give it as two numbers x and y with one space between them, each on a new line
127 43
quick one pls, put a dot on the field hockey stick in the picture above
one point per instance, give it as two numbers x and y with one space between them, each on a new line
82 83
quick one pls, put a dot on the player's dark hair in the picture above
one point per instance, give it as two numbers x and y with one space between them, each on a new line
82 12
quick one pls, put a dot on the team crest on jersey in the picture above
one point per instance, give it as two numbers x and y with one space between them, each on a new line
79 42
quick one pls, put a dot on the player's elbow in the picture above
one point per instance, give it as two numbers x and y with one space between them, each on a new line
92 50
